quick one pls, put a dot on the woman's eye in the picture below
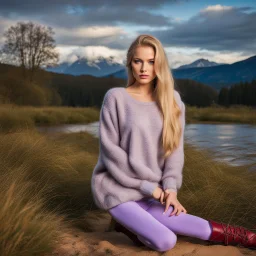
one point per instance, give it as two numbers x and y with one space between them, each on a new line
136 61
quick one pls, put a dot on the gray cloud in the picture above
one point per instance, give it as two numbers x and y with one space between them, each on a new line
230 30
112 17
75 13
31 6
118 42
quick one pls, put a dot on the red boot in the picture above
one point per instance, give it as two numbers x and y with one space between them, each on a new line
232 235
120 228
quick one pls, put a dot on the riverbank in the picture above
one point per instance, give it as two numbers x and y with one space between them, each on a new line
235 114
46 196
13 118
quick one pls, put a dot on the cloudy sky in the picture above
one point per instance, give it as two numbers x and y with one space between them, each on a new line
221 31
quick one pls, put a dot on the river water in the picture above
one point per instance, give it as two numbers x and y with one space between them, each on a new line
233 143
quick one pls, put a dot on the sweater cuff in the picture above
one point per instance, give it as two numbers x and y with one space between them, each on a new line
169 183
172 190
148 187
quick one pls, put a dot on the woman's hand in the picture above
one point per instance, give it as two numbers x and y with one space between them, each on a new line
171 199
157 193
163 196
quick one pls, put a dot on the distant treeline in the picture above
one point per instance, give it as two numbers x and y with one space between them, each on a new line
53 89
194 93
15 89
243 93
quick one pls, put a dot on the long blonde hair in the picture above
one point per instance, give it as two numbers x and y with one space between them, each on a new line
164 91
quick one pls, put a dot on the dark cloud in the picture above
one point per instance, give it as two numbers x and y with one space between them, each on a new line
31 6
75 13
230 30
112 17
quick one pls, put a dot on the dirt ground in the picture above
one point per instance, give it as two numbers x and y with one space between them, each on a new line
104 241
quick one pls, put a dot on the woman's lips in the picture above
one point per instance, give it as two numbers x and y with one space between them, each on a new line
142 76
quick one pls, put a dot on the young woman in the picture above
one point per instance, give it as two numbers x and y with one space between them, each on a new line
139 169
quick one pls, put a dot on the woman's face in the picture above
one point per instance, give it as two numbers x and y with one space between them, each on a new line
143 64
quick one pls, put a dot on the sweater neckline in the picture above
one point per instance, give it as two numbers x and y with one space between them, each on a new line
129 97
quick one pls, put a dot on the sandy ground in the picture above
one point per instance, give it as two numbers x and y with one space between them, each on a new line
103 241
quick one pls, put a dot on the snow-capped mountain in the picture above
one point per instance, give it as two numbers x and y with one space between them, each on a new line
100 67
200 63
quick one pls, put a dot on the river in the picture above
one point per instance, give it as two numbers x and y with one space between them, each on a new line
233 143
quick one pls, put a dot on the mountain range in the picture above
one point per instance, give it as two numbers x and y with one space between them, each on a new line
216 75
83 66
200 63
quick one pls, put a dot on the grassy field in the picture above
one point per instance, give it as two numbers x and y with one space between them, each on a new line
45 189
235 114
13 118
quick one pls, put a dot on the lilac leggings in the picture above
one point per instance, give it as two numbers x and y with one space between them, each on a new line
156 230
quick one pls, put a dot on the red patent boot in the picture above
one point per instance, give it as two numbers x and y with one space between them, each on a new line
120 228
232 235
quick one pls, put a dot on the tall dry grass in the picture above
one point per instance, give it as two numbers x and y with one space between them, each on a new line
63 168
234 114
27 226
44 190
16 118
216 190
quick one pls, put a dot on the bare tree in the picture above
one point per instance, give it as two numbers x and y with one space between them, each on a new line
30 46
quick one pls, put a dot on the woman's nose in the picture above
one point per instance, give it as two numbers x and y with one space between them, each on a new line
143 68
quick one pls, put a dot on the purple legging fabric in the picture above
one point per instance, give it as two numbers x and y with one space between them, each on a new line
156 230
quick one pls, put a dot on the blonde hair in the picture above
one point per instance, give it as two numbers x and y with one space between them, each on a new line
164 91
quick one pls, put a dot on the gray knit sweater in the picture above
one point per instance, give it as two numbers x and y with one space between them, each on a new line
131 163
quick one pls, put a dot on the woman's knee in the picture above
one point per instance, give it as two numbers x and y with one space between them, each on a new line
164 243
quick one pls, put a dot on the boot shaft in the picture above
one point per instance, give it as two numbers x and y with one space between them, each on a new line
232 235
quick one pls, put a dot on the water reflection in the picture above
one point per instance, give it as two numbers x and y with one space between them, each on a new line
234 143
92 128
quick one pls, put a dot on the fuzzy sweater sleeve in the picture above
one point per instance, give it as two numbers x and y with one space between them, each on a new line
172 173
112 155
